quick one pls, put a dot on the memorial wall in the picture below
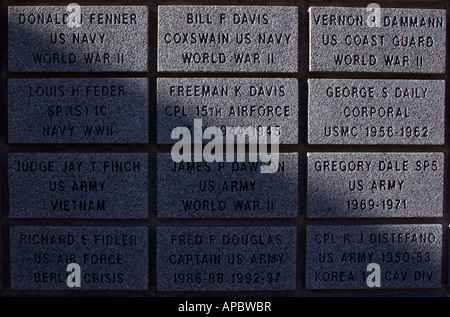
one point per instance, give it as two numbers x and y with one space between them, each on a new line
224 148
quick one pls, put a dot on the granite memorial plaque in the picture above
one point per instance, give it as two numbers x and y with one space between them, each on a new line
78 185
109 258
348 39
227 39
226 258
82 110
77 38
266 104
227 189
369 111
408 256
374 185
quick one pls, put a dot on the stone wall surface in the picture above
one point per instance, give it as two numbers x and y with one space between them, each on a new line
292 148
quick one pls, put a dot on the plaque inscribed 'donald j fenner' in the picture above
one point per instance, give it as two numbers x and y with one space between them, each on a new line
77 38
